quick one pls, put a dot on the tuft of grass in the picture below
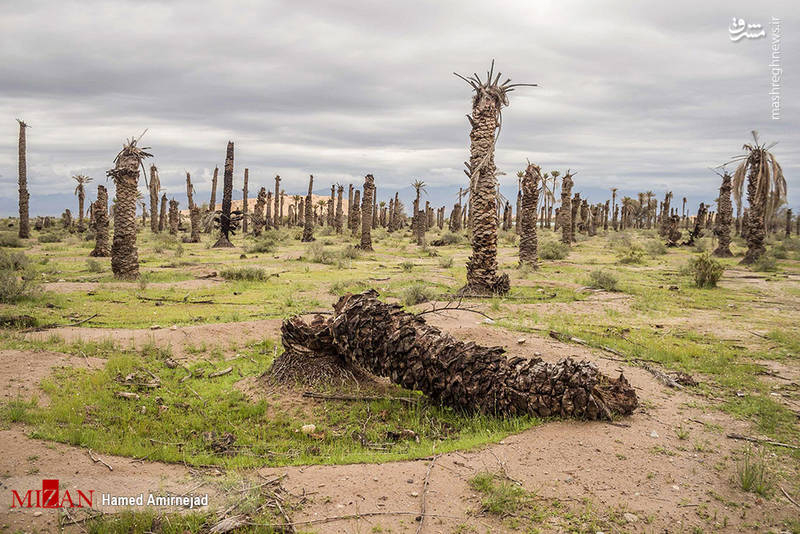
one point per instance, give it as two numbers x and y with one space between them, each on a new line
499 496
249 274
94 266
752 473
445 262
407 266
655 247
603 279
632 255
318 253
264 244
417 294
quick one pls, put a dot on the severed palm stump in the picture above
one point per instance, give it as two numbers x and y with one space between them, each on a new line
365 335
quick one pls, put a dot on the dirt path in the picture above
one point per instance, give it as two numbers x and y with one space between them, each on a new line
226 336
669 482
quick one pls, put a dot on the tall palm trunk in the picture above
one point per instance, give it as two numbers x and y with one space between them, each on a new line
331 207
162 214
194 211
356 215
124 255
153 187
566 209
24 196
724 218
81 199
308 227
487 102
225 222
277 200
788 231
174 217
244 201
339 209
528 242
367 208
212 206
258 212
100 222
757 197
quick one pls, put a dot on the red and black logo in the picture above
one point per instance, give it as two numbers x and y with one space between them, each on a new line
50 496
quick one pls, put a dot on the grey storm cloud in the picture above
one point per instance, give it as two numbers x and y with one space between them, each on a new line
637 95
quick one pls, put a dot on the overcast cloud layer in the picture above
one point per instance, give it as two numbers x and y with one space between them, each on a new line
639 95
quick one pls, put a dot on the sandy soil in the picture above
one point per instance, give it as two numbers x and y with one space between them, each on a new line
640 463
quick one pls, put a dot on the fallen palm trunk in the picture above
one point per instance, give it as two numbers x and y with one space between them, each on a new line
365 333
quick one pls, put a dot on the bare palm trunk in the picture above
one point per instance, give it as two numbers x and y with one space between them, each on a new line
757 200
124 255
356 214
24 196
194 211
566 209
339 210
225 222
723 227
277 200
244 201
308 227
100 222
153 188
367 207
162 215
173 217
258 212
528 242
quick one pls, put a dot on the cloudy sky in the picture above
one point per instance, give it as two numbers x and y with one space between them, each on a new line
638 95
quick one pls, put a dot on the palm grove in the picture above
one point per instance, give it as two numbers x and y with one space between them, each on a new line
757 189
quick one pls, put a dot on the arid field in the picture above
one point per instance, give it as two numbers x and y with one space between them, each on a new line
163 385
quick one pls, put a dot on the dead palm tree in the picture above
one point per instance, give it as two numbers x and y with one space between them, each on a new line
244 201
100 223
124 256
567 226
153 186
722 228
551 197
162 214
80 190
24 196
528 242
766 189
277 201
367 202
308 226
417 222
194 211
489 98
339 220
226 219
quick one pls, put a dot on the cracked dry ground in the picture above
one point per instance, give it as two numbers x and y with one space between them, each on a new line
667 468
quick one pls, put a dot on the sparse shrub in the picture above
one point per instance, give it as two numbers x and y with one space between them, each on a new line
445 262
780 252
498 496
17 278
654 247
752 473
507 237
620 240
417 294
317 253
553 250
705 270
449 238
249 274
766 263
603 280
634 254
703 244
178 250
350 252
7 239
94 266
407 266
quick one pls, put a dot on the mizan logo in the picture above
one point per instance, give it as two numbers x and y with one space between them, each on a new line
50 496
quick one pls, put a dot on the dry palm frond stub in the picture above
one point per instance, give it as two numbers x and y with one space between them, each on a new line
382 339
486 119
